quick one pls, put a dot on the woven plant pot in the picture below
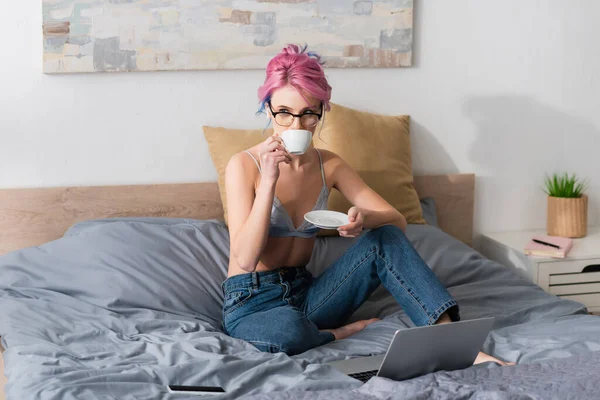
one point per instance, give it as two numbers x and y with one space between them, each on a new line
567 217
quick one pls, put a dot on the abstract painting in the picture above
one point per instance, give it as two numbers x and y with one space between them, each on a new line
164 35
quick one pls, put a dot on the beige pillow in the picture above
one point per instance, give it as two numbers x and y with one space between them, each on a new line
377 147
223 144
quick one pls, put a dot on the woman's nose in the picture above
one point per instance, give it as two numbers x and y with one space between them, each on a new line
296 124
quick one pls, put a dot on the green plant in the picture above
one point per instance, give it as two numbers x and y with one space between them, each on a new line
564 186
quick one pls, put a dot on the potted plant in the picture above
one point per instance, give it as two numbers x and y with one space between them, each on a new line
567 206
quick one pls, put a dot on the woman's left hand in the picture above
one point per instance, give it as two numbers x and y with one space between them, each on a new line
355 227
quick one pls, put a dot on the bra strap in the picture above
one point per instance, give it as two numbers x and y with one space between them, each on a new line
322 169
254 159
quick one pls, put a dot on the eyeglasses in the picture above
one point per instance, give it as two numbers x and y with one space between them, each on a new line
308 119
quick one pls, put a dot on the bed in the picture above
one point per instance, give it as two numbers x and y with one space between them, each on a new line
114 292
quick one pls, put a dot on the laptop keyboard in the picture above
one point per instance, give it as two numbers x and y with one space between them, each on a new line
364 376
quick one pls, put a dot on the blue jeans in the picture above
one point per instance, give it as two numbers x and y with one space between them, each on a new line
283 310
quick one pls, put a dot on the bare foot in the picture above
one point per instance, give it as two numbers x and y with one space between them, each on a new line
482 357
350 329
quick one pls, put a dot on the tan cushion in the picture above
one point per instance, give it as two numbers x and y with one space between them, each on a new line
377 147
223 143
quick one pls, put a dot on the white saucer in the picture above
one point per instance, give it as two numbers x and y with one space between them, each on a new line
326 219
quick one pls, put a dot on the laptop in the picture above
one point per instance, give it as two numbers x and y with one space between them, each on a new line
421 350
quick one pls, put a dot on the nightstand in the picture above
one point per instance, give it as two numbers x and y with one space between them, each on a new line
575 277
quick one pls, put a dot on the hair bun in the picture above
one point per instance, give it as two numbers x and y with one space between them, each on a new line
302 69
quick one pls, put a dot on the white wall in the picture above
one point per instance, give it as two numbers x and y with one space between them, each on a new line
506 89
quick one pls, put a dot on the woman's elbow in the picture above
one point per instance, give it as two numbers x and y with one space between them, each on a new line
244 262
247 266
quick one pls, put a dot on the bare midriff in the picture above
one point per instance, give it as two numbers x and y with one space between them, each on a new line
280 252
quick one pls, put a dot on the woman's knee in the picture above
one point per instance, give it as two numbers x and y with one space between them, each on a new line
385 234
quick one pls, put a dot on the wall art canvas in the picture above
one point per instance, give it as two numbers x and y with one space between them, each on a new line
166 35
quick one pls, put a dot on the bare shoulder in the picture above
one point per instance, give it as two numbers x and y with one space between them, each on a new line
336 169
242 165
332 162
243 158
330 158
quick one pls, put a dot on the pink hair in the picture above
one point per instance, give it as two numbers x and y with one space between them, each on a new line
298 68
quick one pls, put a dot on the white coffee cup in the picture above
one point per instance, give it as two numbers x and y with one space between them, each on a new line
296 141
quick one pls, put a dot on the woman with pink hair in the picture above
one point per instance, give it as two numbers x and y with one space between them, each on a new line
271 300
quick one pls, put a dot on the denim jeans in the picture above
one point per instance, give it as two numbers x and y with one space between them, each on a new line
284 310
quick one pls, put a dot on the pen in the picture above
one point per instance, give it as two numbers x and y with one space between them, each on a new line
546 243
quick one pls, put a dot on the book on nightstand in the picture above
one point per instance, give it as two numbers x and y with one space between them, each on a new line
548 246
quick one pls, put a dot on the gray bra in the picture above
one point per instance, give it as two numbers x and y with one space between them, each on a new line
281 224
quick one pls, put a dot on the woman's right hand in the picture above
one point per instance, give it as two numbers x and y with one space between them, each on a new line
271 152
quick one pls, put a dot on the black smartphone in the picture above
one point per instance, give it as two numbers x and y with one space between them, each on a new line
195 389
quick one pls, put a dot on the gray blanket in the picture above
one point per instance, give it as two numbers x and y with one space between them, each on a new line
574 378
118 309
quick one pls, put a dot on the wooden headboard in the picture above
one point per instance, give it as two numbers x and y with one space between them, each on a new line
29 217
